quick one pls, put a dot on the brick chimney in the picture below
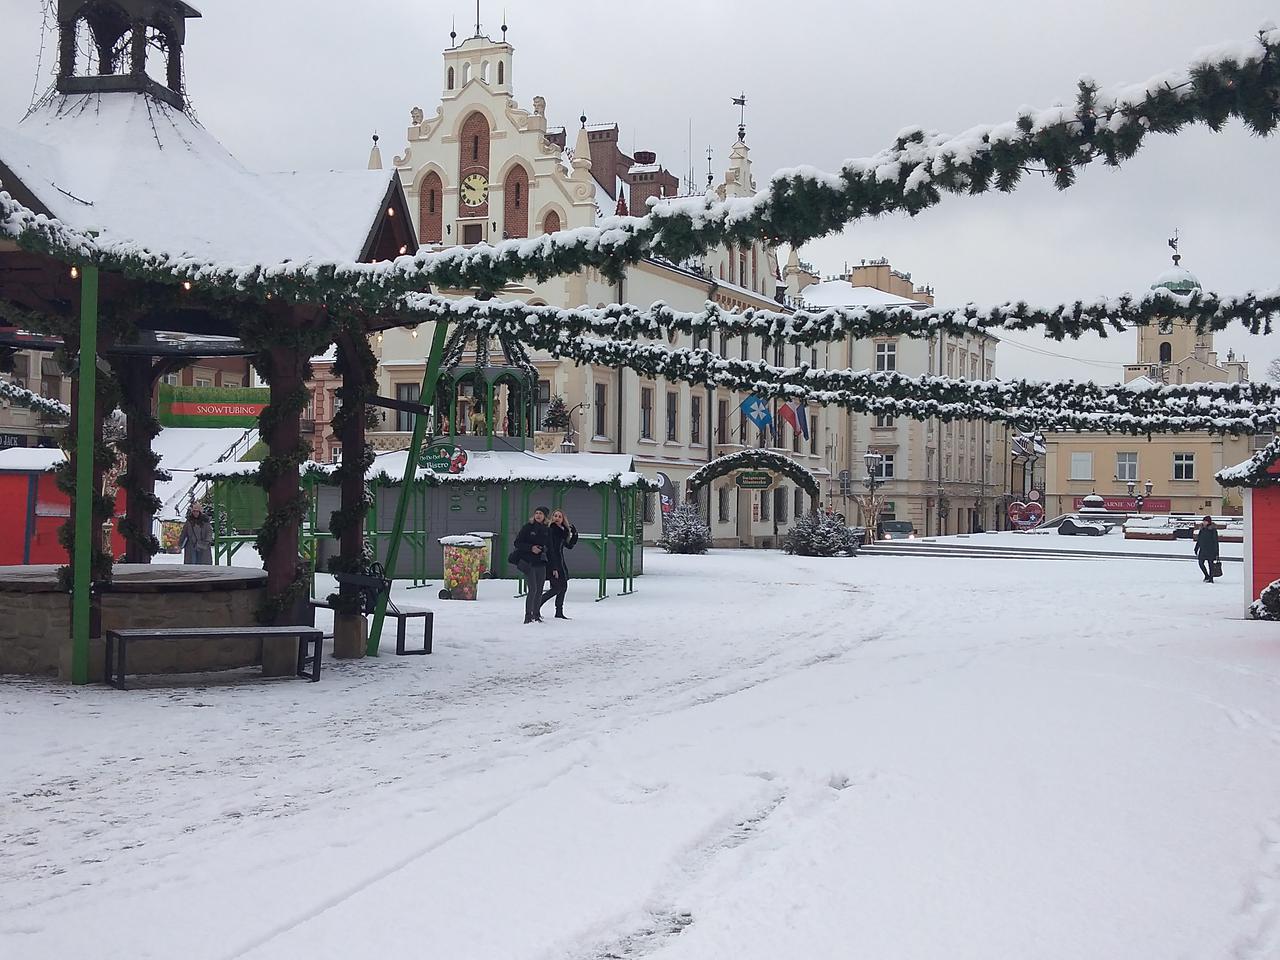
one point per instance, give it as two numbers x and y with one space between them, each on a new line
648 179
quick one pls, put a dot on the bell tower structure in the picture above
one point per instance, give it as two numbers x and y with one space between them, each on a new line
125 37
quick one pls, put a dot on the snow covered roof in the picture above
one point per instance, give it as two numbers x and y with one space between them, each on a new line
139 170
842 293
181 450
496 466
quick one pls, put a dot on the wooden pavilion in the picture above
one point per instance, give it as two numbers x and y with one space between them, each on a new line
113 150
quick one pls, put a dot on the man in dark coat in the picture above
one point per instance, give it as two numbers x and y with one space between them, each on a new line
531 546
564 536
1207 548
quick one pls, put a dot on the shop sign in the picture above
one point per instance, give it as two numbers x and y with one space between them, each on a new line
1130 504
443 458
755 480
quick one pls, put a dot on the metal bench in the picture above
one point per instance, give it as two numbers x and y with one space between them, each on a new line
310 649
371 588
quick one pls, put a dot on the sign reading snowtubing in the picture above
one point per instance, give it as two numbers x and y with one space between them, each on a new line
211 406
755 480
443 458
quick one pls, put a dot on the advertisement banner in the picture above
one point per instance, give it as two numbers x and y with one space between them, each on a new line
1130 504
211 406
666 498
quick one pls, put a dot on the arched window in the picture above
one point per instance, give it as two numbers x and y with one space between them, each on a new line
466 73
431 209
1166 352
501 73
484 71
449 81
515 194
551 222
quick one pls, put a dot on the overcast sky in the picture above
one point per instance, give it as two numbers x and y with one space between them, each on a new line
288 84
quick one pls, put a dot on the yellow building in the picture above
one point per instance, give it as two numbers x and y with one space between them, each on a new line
1177 469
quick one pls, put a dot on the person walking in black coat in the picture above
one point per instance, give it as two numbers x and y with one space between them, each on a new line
564 536
1207 548
532 545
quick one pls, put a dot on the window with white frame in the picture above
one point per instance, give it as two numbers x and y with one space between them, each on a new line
884 421
1126 466
335 453
884 470
813 431
203 382
673 413
886 356
695 419
765 498
1081 466
1184 466
722 503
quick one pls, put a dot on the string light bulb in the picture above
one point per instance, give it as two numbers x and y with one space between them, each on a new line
75 273
379 337
404 248
391 211
186 284
413 332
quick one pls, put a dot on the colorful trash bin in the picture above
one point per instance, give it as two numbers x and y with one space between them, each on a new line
464 559
487 537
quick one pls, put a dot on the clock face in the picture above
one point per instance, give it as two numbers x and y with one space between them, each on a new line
475 190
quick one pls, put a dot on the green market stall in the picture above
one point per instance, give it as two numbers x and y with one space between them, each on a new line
456 493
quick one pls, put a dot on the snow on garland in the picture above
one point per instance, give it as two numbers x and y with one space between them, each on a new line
1235 408
1207 311
1254 472
1241 81
33 401
759 459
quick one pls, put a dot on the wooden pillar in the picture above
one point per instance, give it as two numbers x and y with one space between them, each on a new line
283 484
349 635
137 377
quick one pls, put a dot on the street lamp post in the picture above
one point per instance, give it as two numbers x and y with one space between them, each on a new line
1139 499
567 444
873 481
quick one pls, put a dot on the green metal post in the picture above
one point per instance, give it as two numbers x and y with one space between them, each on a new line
427 394
86 402
604 553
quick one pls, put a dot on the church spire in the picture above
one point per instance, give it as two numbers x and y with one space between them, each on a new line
375 155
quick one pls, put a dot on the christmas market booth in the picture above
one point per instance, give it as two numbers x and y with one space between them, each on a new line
454 493
1259 478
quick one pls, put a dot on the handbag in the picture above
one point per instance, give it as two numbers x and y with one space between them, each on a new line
1215 568
513 557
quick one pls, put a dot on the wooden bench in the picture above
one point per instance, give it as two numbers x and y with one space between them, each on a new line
372 587
310 647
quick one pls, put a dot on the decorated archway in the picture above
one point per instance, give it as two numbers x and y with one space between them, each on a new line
756 459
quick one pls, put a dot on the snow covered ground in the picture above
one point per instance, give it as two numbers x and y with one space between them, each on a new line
753 757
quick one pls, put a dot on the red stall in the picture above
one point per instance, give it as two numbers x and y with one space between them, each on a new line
1259 477
32 509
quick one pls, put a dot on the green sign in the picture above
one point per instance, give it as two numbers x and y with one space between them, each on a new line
755 480
443 458
211 406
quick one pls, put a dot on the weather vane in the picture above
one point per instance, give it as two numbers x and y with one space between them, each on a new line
1173 244
740 102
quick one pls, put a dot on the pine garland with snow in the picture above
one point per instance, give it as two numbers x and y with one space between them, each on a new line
686 530
1254 472
1241 81
1234 408
757 459
1254 310
820 534
23 397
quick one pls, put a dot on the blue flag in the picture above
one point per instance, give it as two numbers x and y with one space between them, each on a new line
757 411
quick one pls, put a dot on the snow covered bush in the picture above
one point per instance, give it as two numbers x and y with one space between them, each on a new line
820 535
686 531
557 415
1267 606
